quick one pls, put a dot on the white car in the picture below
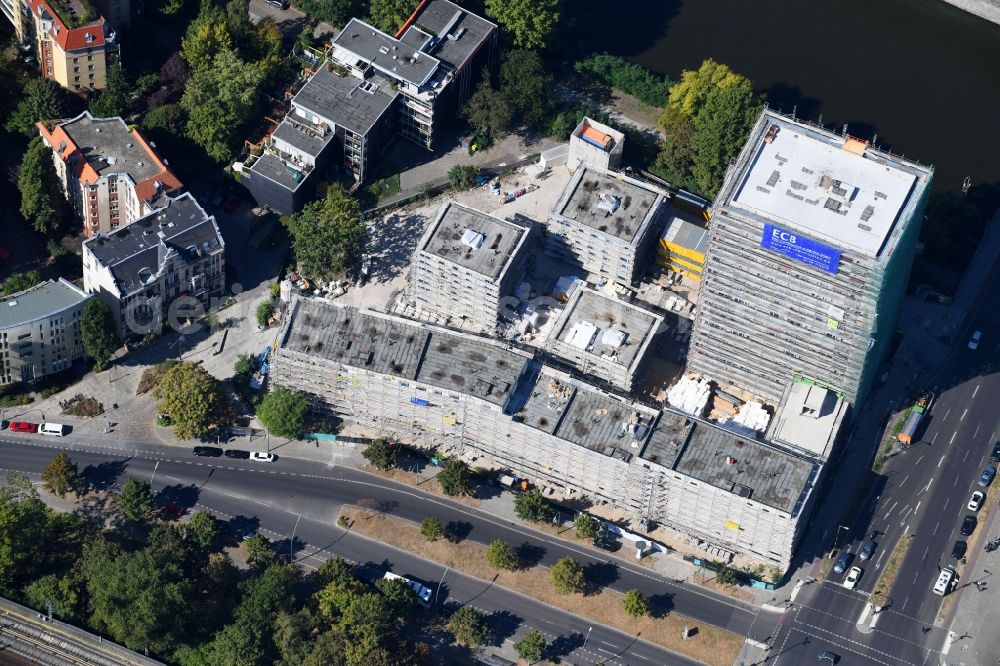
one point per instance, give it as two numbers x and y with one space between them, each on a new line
974 341
976 501
852 578
262 456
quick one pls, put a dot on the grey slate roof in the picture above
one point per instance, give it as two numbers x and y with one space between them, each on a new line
39 302
343 99
463 32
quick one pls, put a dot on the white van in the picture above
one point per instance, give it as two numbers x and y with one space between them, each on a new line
422 591
55 429
944 581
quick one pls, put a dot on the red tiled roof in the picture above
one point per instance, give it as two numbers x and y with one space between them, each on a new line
71 39
146 190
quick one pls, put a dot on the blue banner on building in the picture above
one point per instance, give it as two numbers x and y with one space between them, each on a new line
800 248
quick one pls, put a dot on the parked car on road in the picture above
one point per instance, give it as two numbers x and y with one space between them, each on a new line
987 476
968 526
853 576
844 561
958 552
262 456
995 456
974 340
54 429
208 451
236 453
976 501
23 426
867 549
826 655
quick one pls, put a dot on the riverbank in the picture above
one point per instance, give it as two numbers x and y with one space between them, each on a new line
984 9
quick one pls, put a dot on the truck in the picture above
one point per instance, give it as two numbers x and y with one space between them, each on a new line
913 420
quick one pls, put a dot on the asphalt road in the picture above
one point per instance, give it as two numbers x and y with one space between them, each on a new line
926 490
273 497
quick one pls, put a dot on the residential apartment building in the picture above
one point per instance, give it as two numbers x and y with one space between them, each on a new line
607 223
473 396
369 88
810 246
76 47
465 264
40 330
167 265
604 336
110 173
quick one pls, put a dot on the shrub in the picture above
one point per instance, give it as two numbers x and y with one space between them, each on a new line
567 576
586 525
432 529
151 376
501 556
382 453
462 176
83 406
628 77
635 604
532 506
264 312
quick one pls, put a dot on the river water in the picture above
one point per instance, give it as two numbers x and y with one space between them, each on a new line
921 74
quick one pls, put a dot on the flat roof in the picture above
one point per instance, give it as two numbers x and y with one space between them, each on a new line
110 147
608 202
459 32
832 187
605 327
348 101
41 301
759 472
681 232
296 134
487 250
135 252
389 55
272 167
809 418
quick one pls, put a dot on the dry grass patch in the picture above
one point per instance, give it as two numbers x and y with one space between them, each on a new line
421 483
888 578
710 645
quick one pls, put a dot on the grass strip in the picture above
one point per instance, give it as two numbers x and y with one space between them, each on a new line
880 593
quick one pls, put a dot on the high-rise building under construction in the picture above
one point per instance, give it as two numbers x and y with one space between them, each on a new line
810 247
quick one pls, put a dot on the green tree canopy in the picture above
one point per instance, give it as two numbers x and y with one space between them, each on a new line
501 556
23 528
264 312
532 646
689 95
383 453
527 87
455 478
204 528
169 120
135 501
469 626
192 399
586 525
532 506
40 100
528 22
399 596
42 201
627 77
19 282
389 15
334 570
207 36
337 12
64 592
260 552
113 100
333 599
488 111
327 235
244 365
635 604
61 475
462 176
432 529
283 412
566 576
723 125
97 332
676 155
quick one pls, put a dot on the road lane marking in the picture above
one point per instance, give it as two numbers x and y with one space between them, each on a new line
942 457
975 391
978 426
964 412
917 508
933 439
945 417
922 455
905 514
946 503
878 562
966 456
928 548
949 443
936 526
890 510
928 487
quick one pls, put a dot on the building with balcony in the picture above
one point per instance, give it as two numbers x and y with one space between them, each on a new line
607 223
810 245
110 173
466 263
370 88
167 265
40 330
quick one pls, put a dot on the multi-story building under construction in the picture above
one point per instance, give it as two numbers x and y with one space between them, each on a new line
810 246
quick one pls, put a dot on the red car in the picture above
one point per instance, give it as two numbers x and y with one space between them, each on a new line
23 426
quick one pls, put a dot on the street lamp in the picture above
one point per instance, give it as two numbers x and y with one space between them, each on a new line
291 540
590 629
440 583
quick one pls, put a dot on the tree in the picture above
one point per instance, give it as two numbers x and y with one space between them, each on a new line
61 475
532 506
586 525
389 15
334 570
337 12
168 120
327 235
207 36
19 282
635 604
259 550
953 227
190 396
24 521
42 201
293 635
689 95
532 646
469 626
135 501
40 100
244 365
726 575
723 125
488 111
333 599
454 478
382 453
221 100
567 576
399 596
283 412
527 87
432 529
462 176
676 156
97 332
501 556
529 22
113 100
204 528
62 591
264 312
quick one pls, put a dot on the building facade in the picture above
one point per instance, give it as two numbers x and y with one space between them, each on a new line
607 223
595 145
370 88
40 331
109 173
810 246
682 246
466 262
473 396
164 268
76 47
